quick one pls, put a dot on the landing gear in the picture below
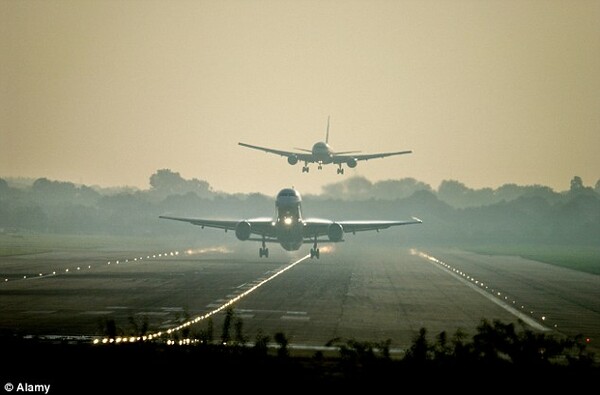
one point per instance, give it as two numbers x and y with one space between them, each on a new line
340 170
263 251
305 168
320 167
314 252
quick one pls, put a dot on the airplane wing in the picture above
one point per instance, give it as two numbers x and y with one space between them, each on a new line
345 158
360 226
305 157
259 226
320 227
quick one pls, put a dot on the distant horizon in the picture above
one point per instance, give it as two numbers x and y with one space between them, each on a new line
590 184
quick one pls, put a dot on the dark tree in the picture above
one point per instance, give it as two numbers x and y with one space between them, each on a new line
398 189
238 327
356 187
166 182
185 332
283 342
384 348
139 327
225 335
110 328
420 351
261 344
576 184
453 192
206 335
442 348
210 330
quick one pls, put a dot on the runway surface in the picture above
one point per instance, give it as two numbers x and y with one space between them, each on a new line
352 292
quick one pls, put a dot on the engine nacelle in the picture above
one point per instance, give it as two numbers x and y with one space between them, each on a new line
335 232
292 159
351 163
243 230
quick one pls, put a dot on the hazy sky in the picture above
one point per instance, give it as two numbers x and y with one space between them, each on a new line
484 92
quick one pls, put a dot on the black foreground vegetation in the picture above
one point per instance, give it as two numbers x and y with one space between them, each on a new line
498 353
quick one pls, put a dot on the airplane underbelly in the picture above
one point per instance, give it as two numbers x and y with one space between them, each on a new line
325 159
291 246
290 239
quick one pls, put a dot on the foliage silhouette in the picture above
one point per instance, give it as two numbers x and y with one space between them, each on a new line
225 334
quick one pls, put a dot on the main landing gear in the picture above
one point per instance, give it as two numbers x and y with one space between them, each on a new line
340 170
263 251
305 168
314 252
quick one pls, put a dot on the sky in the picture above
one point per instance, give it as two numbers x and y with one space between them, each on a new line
485 92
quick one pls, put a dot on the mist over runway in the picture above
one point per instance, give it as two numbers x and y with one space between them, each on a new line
355 291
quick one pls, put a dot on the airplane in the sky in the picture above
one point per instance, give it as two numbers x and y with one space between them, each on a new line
322 154
289 228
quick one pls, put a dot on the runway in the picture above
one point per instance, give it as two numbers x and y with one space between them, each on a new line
353 292
566 301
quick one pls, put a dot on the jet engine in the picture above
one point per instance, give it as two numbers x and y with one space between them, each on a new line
335 232
243 230
292 159
351 163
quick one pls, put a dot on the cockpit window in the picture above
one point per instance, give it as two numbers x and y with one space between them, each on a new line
287 193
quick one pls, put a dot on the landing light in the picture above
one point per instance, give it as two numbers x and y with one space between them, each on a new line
326 249
287 220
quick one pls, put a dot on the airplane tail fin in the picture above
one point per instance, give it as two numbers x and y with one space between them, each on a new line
327 135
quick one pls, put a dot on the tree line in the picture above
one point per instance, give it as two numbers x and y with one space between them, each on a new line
496 351
495 343
453 213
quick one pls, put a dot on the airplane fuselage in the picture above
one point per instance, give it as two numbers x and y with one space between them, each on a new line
322 153
289 226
